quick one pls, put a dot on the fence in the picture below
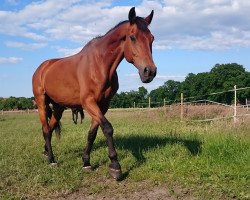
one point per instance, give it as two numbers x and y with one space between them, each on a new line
202 109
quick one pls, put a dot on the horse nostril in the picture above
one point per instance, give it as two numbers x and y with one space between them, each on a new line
146 71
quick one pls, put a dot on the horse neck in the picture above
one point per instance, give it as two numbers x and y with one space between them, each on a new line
113 46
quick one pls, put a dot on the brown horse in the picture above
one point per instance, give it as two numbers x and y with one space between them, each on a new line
75 112
89 79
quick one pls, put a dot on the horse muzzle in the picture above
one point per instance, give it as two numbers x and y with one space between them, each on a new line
147 74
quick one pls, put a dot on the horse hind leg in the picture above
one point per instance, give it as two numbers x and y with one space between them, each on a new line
54 124
44 112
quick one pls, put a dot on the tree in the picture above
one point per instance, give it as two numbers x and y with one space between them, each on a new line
221 78
127 99
142 92
10 103
24 103
169 91
20 103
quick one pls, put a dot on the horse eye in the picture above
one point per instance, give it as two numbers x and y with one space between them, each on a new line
133 38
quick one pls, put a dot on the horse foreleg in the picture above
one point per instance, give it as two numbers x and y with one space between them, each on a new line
76 116
97 115
81 114
114 167
73 116
91 138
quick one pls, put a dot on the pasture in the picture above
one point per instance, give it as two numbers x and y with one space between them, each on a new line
185 160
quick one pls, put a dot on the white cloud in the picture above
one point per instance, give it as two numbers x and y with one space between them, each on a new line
12 2
132 81
170 77
159 77
208 24
10 60
25 46
197 24
68 51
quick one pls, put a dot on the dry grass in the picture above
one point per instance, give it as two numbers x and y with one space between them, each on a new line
204 112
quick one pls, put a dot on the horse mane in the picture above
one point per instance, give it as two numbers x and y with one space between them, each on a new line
140 22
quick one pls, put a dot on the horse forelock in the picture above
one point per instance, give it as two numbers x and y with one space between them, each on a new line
142 24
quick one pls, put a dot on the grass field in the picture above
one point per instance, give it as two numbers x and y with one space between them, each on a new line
205 160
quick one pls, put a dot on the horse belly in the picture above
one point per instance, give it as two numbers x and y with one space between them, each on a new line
64 96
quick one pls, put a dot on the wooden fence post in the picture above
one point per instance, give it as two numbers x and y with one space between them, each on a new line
235 104
149 102
205 109
247 104
181 107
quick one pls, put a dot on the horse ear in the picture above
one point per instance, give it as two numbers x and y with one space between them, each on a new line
149 18
132 15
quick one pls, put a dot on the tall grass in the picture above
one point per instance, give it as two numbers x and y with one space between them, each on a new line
208 161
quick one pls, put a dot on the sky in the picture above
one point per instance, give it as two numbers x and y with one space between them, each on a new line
190 36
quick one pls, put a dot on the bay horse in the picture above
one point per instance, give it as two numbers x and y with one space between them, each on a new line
89 80
75 112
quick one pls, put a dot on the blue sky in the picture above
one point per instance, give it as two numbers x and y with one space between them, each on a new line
190 36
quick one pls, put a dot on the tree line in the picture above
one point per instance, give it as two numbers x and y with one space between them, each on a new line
16 103
222 77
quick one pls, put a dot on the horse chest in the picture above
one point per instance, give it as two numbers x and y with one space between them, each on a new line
105 93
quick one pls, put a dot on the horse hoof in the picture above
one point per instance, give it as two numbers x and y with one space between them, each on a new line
115 173
87 168
53 164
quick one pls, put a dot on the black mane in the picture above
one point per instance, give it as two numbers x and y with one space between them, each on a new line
140 22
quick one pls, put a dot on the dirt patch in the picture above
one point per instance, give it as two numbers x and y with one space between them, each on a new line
139 192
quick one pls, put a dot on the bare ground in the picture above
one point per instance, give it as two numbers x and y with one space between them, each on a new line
123 191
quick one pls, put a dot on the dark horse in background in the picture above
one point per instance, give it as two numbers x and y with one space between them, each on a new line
89 79
75 112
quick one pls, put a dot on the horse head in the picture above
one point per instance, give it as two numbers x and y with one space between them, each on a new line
138 46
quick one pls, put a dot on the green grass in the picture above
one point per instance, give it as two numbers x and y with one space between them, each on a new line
208 161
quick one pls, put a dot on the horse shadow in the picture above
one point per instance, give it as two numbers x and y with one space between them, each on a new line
138 144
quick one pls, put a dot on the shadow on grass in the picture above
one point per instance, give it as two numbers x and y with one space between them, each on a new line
138 144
